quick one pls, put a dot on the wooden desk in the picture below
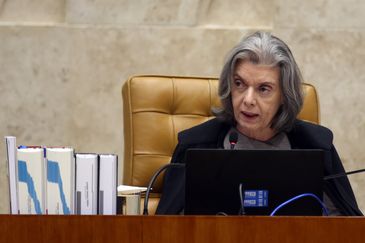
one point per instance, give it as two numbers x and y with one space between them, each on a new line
151 229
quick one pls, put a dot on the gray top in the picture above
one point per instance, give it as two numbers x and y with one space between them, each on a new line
280 142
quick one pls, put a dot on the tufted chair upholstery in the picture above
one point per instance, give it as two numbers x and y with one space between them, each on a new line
157 108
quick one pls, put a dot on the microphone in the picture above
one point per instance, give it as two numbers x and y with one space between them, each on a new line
233 137
343 174
152 181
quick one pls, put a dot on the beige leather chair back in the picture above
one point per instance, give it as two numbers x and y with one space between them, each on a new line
156 108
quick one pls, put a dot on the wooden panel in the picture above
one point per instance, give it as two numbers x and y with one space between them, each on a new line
253 229
190 229
67 229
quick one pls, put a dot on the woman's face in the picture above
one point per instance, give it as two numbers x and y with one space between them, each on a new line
256 98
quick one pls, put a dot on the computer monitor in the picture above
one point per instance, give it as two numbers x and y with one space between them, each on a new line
268 177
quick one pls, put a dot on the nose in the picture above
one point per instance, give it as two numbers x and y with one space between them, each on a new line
249 98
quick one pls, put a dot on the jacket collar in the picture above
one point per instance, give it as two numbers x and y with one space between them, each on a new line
303 135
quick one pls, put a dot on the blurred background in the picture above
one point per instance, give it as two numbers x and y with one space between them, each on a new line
63 62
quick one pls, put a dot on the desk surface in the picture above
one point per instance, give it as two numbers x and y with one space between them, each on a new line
151 229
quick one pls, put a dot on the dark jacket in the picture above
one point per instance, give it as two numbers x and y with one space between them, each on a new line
303 135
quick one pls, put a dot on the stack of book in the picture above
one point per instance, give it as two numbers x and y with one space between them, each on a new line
55 180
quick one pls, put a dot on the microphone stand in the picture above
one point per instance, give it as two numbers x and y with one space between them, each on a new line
152 181
343 174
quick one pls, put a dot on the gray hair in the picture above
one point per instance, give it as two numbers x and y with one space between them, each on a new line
265 49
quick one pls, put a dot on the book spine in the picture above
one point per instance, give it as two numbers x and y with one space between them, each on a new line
108 176
31 181
11 152
86 184
60 180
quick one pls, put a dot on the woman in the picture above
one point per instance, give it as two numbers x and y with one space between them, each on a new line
260 89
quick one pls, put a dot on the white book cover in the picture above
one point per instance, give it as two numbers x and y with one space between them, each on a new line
86 183
31 180
11 151
60 180
108 176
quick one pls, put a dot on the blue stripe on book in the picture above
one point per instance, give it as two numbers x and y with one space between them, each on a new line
54 175
25 177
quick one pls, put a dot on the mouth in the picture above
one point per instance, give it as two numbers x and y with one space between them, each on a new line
249 115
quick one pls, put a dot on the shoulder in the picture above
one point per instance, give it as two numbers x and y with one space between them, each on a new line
206 132
311 135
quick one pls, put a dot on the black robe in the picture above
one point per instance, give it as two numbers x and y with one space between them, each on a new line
303 135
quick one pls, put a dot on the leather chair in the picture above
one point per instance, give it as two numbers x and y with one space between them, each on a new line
156 108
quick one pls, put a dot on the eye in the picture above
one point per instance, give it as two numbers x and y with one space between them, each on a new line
264 89
238 83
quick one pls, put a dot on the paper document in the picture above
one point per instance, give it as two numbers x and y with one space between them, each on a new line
123 189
